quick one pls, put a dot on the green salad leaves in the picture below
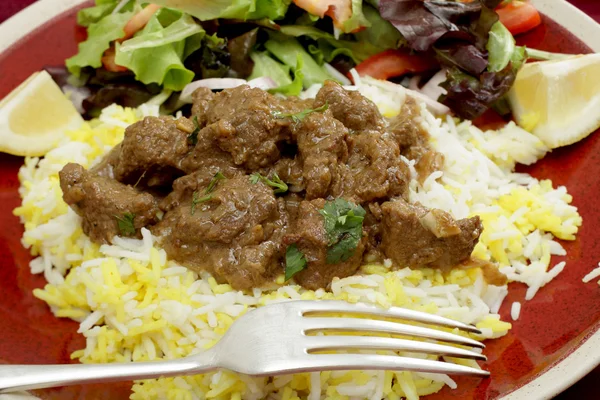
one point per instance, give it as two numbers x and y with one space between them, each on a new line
100 35
91 15
502 49
157 53
236 9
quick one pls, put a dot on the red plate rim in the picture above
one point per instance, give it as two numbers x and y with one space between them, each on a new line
552 381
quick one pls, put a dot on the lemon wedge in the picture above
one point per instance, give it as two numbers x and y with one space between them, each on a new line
558 101
35 116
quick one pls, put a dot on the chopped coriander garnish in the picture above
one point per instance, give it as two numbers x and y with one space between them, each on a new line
207 193
125 222
193 137
343 223
197 200
295 261
213 182
275 182
302 114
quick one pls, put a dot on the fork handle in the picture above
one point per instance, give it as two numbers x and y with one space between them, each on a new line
24 377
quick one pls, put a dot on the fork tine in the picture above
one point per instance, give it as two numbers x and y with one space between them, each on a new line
393 312
322 343
371 325
344 362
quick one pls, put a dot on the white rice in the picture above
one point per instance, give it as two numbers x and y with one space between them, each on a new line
515 310
595 273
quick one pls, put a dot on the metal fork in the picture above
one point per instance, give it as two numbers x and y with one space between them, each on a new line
275 339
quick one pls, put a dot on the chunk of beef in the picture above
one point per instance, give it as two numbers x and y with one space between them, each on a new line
106 166
407 130
207 156
201 99
311 239
375 169
152 151
251 137
290 171
243 122
414 236
429 162
294 105
198 181
354 110
101 202
235 234
322 147
372 228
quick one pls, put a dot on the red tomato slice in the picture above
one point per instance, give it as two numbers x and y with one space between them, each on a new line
108 61
519 17
139 21
393 63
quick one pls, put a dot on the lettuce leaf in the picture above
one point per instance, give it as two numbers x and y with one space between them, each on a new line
206 10
357 20
100 35
161 64
287 50
264 65
295 87
330 47
179 30
90 15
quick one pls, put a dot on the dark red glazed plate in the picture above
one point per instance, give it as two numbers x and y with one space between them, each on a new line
554 330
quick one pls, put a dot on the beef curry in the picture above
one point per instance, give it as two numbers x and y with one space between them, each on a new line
254 185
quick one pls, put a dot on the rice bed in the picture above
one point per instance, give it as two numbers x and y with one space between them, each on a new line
133 304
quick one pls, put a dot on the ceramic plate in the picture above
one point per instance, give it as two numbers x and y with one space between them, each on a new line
555 342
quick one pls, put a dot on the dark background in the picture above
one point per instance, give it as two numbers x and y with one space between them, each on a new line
587 388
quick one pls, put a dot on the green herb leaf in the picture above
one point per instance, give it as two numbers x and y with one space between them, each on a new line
193 137
125 222
295 261
343 223
207 193
298 117
275 182
213 182
197 200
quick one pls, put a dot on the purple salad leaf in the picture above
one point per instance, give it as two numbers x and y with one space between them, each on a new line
470 97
